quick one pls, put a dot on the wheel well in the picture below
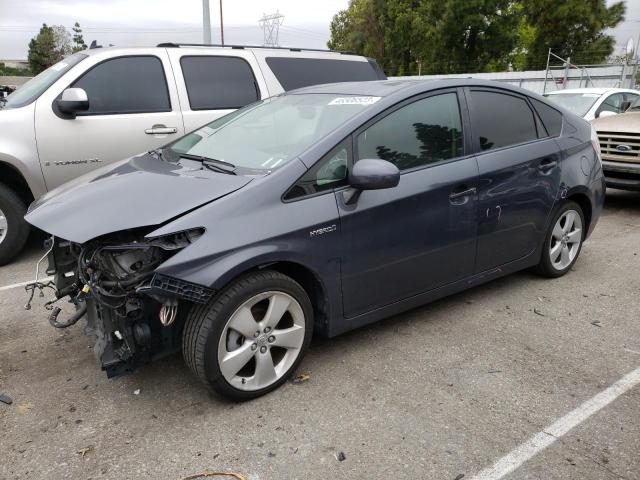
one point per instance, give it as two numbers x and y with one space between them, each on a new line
13 179
308 280
582 200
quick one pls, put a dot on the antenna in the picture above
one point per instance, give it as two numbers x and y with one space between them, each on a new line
271 27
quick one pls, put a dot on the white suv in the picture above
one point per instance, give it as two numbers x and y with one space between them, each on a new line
106 104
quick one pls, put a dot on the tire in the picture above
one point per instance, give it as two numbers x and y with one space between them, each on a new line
14 230
563 242
210 336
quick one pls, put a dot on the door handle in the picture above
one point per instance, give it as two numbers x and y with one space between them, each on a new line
547 164
464 193
160 130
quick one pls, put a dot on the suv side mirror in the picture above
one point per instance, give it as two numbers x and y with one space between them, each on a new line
372 174
606 113
73 101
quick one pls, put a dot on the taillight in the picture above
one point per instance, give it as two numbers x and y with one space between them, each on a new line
596 143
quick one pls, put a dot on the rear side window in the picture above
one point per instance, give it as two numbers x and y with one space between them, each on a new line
215 83
425 131
500 120
295 73
126 85
551 118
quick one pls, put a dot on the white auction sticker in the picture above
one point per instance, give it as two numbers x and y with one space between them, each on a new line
354 101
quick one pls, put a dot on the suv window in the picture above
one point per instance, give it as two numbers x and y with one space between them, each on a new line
295 73
126 85
328 173
613 103
426 131
501 120
551 118
218 82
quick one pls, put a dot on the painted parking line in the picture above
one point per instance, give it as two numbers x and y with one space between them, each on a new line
553 432
22 284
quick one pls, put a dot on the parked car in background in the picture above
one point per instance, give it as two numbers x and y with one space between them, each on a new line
320 210
620 142
591 103
106 104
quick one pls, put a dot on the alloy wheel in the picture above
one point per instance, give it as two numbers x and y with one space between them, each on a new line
565 239
261 340
4 226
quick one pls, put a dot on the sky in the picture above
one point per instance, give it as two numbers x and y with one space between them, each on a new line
148 22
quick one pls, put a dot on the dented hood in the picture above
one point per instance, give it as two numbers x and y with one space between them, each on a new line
137 192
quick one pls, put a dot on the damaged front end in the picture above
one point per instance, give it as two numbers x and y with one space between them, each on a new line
133 313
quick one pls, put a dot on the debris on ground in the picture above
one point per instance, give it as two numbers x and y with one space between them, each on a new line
341 457
136 391
459 476
494 371
84 450
6 399
303 377
596 323
208 473
538 312
24 408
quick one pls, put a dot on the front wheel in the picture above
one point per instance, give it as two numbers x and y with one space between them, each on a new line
563 241
14 230
250 338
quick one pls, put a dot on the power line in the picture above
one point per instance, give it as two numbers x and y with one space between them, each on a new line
271 27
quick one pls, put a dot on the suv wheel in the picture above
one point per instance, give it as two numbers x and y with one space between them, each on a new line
563 241
251 337
13 228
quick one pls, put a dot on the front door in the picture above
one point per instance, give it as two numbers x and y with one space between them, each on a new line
421 234
519 176
133 108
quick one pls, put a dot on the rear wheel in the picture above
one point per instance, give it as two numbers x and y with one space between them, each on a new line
249 339
14 231
563 242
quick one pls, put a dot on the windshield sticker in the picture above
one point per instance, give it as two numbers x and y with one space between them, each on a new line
354 101
59 66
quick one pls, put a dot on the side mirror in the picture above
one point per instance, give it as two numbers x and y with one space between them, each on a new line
606 113
73 101
372 174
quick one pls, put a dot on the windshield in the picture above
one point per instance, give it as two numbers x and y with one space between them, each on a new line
578 103
31 90
267 134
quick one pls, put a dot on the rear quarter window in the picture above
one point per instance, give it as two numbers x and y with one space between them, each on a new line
551 118
295 73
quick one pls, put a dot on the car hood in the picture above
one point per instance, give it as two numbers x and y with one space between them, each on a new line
137 192
624 122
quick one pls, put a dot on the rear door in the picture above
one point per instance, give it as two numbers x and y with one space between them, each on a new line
519 176
214 82
133 108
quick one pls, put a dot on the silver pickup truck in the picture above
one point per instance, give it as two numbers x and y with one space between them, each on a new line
106 104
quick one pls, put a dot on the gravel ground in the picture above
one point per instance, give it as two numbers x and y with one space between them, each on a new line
439 392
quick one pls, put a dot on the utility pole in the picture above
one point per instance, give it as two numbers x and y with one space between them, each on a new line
206 22
271 26
221 25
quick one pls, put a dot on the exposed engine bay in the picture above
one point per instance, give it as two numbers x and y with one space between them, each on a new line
132 312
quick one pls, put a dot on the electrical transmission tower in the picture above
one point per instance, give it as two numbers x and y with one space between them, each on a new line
271 27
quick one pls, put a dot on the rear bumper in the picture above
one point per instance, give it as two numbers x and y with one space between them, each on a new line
622 175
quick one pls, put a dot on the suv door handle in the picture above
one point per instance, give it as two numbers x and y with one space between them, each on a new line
464 193
160 130
547 164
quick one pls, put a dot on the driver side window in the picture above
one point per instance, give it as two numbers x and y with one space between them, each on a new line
327 174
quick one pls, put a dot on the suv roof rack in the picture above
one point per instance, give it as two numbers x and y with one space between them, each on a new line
291 49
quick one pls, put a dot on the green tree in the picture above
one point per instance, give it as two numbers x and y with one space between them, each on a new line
466 36
78 40
571 28
42 50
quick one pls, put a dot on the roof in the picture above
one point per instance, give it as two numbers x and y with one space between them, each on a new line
598 91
